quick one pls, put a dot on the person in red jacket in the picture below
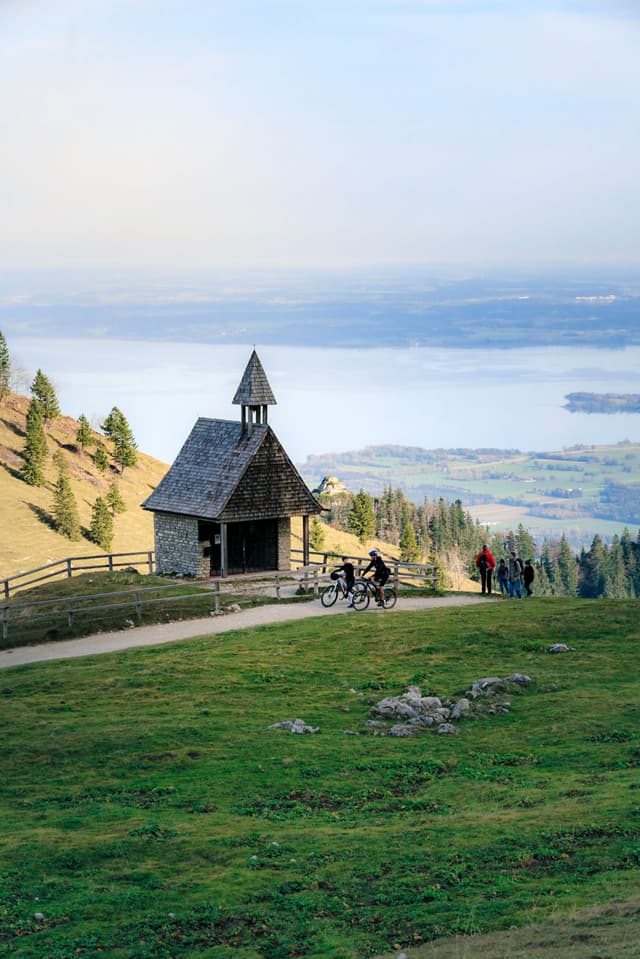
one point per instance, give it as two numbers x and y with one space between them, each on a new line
486 564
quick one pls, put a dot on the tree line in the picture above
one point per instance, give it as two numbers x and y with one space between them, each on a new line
121 452
446 535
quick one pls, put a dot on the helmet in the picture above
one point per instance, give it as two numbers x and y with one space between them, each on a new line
373 552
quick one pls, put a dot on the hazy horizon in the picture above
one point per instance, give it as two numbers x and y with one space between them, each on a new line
280 134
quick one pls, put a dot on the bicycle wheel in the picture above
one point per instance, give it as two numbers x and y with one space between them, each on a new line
329 595
390 598
360 597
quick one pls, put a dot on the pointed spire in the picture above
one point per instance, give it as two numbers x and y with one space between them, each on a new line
254 389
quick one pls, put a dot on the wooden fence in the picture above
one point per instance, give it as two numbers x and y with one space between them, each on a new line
405 572
77 564
66 609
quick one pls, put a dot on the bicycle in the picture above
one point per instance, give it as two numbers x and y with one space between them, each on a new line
335 590
366 588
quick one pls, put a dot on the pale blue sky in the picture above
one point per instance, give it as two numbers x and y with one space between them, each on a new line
336 133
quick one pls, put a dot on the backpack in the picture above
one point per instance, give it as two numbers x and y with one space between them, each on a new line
483 562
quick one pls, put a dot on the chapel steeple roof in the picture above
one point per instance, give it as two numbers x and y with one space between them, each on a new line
254 389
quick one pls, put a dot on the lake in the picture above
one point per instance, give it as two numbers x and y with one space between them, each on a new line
332 400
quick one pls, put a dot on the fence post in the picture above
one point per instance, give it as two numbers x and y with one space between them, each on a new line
435 579
316 591
277 586
217 596
70 613
5 622
6 589
110 562
150 560
138 605
395 574
69 569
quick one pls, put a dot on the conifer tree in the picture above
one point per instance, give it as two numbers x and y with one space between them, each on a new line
35 450
409 551
100 458
567 570
65 508
119 432
5 367
115 500
84 436
101 528
362 521
43 391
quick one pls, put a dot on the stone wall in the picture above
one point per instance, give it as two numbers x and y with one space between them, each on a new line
176 543
284 543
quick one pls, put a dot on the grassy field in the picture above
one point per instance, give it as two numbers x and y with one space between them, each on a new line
148 810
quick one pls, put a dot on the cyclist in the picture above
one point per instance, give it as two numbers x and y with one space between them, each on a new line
347 569
381 574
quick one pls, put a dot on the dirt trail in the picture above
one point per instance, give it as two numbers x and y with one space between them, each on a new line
173 632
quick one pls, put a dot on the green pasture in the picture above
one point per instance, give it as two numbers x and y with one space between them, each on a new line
148 810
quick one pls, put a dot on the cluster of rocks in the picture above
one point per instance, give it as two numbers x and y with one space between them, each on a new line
418 712
295 726
561 648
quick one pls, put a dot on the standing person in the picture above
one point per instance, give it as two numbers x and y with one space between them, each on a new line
381 574
503 577
486 564
528 576
515 574
349 573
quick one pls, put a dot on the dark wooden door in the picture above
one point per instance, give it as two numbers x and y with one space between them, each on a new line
253 546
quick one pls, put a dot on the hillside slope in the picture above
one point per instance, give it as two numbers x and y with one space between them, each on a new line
27 537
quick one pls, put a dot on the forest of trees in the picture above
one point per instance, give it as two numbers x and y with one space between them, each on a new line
445 533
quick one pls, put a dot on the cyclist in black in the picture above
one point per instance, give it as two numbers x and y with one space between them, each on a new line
347 569
381 573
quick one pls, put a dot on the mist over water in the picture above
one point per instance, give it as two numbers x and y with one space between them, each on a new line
331 400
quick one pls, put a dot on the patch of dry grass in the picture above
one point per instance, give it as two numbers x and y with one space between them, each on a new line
27 536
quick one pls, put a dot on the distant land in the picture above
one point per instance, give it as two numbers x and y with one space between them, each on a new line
603 402
582 490
399 307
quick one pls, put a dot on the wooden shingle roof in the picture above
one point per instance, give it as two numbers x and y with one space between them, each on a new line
254 389
224 474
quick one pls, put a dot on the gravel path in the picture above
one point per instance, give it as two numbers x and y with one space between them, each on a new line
173 632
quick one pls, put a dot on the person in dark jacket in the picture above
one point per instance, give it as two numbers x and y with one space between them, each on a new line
503 577
486 564
528 576
348 571
381 573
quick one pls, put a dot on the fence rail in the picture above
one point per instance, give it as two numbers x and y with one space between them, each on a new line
67 608
399 570
77 564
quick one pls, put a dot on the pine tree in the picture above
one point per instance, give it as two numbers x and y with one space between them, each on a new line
362 520
119 432
100 458
567 570
316 534
101 528
114 499
43 391
65 508
409 552
84 436
5 367
525 543
35 450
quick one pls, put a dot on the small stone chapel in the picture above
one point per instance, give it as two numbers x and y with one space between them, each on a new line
225 506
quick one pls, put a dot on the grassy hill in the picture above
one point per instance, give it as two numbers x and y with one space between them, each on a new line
28 539
149 809
580 491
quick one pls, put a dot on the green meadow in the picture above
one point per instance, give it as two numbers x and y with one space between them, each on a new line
148 810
